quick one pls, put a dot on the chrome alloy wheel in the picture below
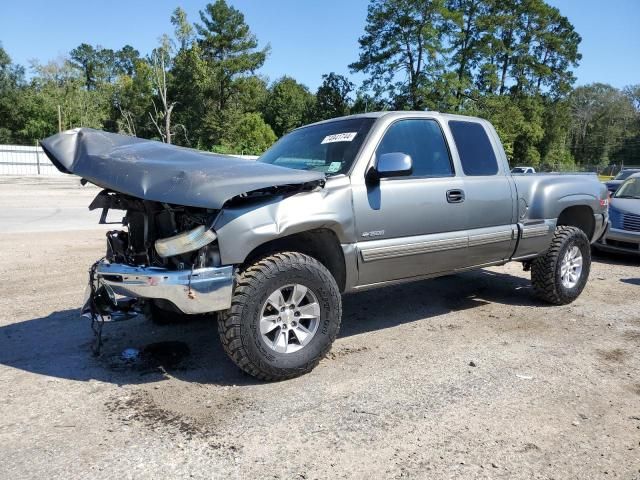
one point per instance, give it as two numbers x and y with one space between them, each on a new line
289 318
571 267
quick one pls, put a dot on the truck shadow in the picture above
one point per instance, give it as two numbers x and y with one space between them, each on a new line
59 345
428 299
611 258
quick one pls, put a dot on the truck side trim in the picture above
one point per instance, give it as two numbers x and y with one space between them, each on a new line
493 237
537 230
399 281
373 253
417 248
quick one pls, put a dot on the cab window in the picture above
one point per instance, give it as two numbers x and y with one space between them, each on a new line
474 147
423 141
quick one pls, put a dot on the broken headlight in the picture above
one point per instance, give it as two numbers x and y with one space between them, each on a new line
185 242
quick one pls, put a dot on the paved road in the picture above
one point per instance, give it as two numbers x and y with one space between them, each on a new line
46 204
24 220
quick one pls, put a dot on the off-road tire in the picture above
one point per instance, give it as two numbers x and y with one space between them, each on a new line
239 326
545 269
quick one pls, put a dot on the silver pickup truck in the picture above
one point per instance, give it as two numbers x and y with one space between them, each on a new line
338 206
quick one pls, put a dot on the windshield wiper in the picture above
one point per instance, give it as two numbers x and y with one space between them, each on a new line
628 196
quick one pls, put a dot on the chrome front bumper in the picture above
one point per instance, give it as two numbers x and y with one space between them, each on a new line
203 290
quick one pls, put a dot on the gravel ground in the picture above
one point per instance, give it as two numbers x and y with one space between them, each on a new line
460 377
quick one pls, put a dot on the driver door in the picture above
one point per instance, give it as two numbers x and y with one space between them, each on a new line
411 225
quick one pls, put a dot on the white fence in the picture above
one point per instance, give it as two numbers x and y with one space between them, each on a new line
20 160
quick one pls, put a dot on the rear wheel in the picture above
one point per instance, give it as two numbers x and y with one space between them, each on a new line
560 275
284 317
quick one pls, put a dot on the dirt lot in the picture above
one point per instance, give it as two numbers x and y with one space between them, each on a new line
462 377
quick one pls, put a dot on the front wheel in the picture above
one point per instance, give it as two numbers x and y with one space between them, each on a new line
561 273
285 314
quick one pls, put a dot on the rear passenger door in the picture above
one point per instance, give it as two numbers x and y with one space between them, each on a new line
489 193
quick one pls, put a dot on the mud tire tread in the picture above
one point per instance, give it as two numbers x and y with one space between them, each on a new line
248 284
544 277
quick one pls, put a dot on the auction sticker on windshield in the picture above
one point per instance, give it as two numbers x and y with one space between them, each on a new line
334 167
339 137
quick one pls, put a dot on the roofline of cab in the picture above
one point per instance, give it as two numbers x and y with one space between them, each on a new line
397 114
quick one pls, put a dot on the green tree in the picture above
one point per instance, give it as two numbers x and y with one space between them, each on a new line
248 135
251 95
633 94
60 84
183 30
132 98
629 152
227 53
603 118
189 86
228 47
507 60
332 97
554 146
365 102
85 58
126 59
401 50
11 91
108 68
467 19
510 61
527 47
288 105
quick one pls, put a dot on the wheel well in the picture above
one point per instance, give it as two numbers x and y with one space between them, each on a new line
321 244
579 216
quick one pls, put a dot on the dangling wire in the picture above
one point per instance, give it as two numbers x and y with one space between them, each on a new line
190 293
97 320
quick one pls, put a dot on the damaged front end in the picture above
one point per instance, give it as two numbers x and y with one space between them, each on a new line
165 254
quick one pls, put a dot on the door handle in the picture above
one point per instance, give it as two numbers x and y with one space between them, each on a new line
455 196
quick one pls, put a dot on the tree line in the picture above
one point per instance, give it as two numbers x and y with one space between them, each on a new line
510 61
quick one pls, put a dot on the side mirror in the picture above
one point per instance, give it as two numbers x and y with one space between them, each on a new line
395 164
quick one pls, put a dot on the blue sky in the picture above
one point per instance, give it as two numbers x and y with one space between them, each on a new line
307 37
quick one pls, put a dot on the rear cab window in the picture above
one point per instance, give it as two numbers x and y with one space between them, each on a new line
476 153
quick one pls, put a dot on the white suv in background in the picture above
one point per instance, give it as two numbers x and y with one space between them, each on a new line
523 170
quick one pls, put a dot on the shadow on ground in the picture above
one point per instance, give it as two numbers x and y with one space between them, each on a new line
59 345
613 258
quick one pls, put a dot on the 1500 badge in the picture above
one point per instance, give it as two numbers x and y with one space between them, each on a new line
374 233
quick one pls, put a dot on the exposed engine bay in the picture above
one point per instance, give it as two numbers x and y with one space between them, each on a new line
160 244
147 223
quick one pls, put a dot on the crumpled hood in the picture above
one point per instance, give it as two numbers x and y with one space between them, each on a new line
164 173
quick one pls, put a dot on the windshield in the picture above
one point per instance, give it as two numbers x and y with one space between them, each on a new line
329 147
629 189
624 174
518 170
